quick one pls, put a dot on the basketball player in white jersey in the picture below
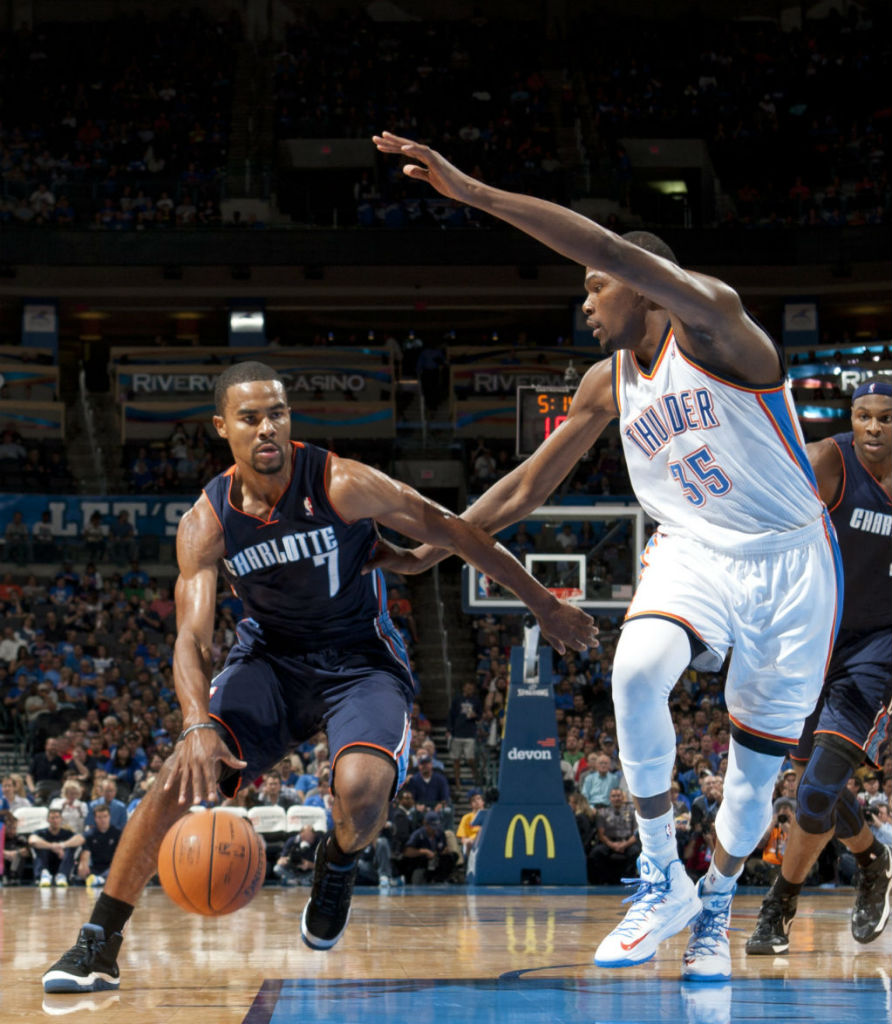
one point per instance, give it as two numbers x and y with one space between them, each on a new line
744 556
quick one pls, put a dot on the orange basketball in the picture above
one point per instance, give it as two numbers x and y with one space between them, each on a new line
211 862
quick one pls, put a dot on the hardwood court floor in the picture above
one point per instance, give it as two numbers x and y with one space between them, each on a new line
431 956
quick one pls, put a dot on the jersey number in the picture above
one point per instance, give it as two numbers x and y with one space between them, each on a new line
334 579
702 476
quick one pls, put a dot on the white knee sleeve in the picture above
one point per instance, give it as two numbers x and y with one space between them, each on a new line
650 656
746 804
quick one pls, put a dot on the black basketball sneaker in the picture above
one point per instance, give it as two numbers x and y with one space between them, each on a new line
328 909
771 935
871 910
89 966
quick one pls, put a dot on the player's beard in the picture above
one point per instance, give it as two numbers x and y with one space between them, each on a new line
268 467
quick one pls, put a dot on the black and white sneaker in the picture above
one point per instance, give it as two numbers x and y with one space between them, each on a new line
771 936
328 909
89 966
871 910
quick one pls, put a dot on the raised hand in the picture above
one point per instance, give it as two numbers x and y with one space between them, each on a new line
447 179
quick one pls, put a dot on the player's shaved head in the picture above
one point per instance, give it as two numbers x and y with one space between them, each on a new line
651 243
240 373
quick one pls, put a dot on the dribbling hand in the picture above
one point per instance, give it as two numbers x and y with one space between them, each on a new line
196 763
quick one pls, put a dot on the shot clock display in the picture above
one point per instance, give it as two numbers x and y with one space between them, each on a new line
540 411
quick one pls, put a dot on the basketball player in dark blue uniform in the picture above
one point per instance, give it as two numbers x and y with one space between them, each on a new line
854 474
293 527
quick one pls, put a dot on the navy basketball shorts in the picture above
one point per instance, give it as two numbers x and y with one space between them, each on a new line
857 693
269 700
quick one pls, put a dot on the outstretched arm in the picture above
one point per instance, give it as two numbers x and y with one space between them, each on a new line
527 486
706 312
357 491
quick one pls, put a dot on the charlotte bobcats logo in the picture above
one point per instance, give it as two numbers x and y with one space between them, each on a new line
308 505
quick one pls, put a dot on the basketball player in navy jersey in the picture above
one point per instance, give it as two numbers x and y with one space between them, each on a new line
851 721
293 527
744 556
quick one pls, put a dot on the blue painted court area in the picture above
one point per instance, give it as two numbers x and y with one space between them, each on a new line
528 998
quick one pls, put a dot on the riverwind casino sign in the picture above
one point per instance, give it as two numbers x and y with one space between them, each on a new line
353 399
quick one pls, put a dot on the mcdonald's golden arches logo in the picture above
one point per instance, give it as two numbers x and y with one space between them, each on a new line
529 835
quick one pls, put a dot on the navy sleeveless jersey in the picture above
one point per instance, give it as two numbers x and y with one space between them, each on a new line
298 571
862 515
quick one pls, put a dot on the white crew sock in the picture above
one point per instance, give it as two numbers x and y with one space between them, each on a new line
715 881
658 838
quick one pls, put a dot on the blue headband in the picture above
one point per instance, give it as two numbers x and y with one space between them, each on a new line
874 388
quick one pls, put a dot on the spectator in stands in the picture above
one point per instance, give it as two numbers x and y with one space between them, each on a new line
375 863
483 467
426 857
71 806
17 539
142 476
123 539
295 864
273 795
615 853
13 789
96 537
404 820
47 768
461 731
98 848
53 849
12 646
107 797
471 823
429 788
16 851
321 796
44 537
597 785
11 447
762 869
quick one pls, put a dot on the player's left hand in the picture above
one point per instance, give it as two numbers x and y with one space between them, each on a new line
567 625
433 168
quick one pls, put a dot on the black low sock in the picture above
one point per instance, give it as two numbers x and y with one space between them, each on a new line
784 889
868 856
111 914
335 855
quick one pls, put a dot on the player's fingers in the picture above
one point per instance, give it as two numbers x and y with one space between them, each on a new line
184 784
210 783
416 171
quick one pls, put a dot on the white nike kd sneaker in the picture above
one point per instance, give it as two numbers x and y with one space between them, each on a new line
708 956
663 904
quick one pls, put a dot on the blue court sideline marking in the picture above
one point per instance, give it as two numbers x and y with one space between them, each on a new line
607 998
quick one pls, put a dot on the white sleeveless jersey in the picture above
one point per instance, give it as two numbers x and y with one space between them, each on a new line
714 460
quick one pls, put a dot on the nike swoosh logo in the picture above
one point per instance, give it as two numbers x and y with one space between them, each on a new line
785 925
632 945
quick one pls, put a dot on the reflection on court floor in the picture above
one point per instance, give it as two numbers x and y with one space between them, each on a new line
529 998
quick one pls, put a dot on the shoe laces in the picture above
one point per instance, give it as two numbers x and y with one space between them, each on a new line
87 946
334 884
645 896
710 929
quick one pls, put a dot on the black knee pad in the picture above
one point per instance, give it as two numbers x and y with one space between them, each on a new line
818 806
849 818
